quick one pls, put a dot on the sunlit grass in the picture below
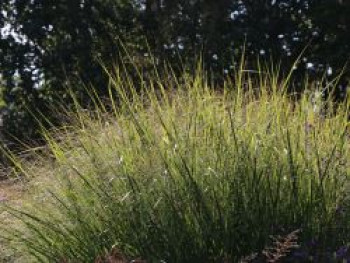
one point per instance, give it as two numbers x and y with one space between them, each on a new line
181 172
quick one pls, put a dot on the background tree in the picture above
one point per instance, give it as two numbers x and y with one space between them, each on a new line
46 44
331 48
49 43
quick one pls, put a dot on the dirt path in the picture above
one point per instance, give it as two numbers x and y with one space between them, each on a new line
11 192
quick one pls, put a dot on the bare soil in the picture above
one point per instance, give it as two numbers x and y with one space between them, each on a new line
12 191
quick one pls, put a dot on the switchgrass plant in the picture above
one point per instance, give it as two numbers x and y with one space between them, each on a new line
178 171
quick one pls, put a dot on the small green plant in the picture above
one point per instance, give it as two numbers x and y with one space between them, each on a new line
180 172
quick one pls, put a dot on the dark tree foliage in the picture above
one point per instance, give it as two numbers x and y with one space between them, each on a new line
331 20
220 30
331 45
47 44
50 44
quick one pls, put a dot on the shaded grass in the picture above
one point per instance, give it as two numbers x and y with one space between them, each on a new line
180 172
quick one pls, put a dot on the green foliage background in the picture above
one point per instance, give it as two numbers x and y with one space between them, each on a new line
47 45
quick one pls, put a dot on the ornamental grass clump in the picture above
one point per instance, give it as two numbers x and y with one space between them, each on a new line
177 171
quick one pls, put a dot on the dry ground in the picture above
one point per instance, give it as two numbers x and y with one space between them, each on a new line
12 191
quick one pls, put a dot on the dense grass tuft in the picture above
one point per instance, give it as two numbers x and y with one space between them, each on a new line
180 172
